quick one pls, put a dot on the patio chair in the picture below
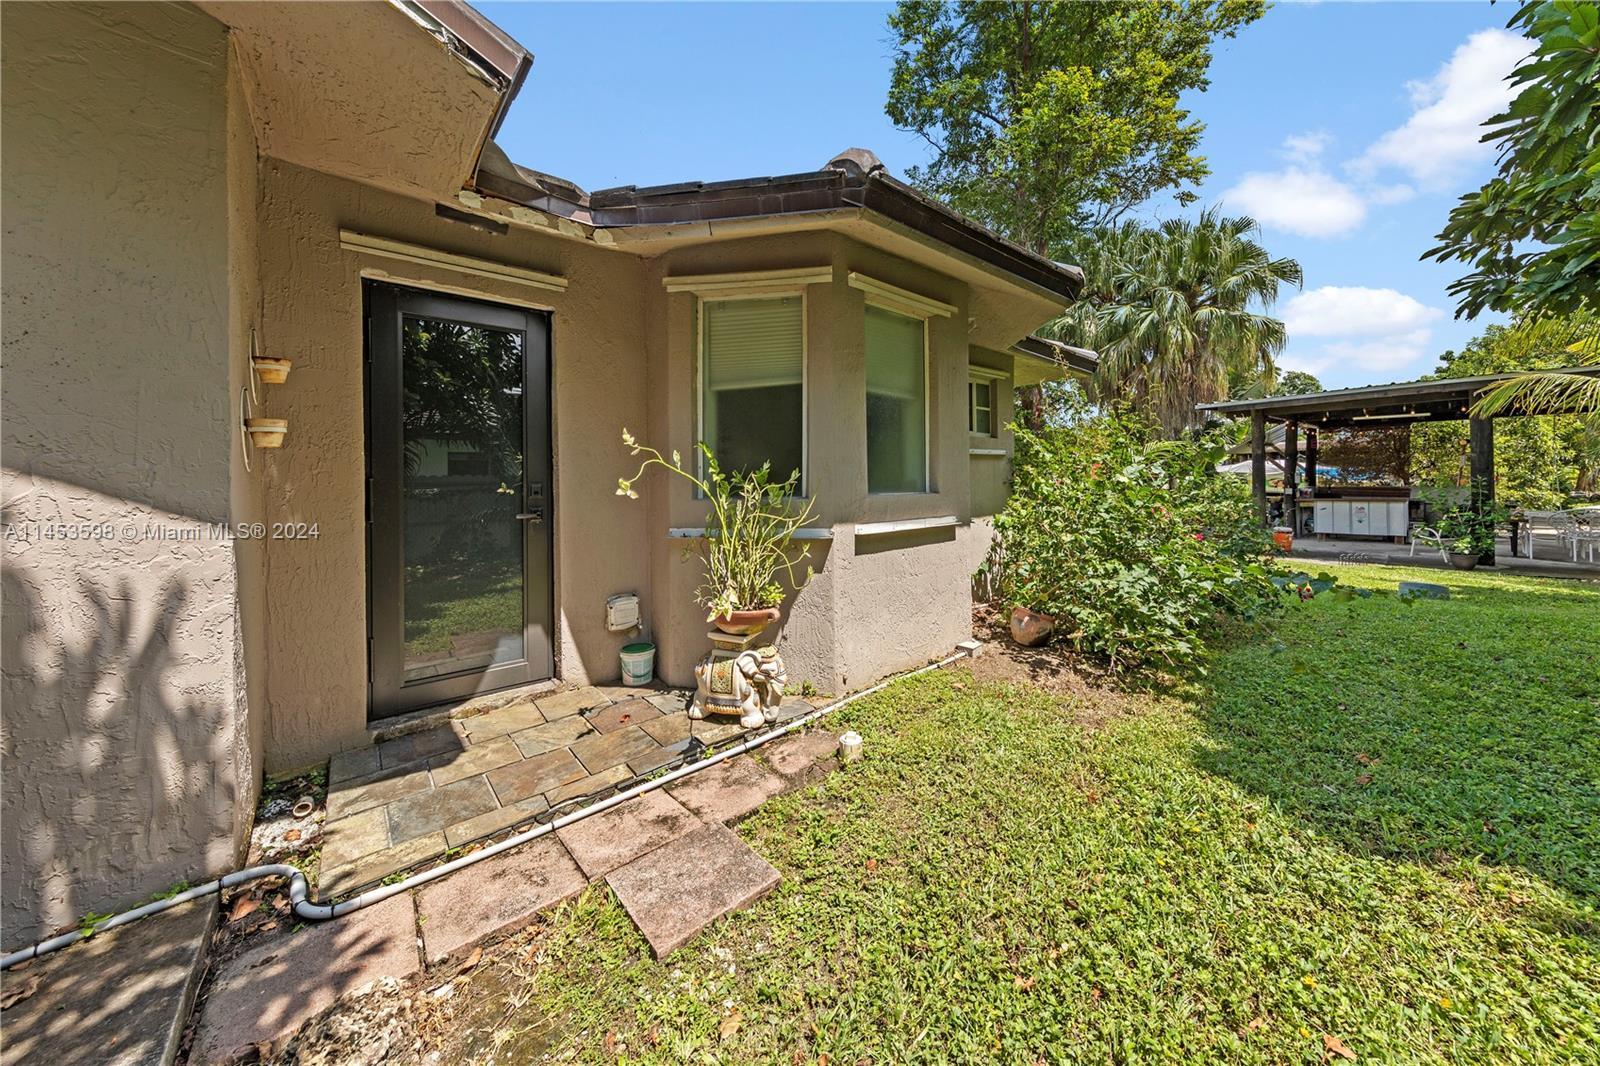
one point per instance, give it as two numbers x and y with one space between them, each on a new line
1574 532
1525 530
1428 537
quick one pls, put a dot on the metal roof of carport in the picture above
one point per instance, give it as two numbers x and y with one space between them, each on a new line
1375 405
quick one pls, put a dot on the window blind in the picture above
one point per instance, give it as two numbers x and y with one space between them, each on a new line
894 354
753 344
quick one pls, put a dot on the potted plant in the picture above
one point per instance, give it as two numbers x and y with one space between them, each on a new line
748 538
1467 534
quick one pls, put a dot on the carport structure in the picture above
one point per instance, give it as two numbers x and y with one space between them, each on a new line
1375 407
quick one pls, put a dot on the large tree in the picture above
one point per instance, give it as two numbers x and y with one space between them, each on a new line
1048 118
1532 233
1177 311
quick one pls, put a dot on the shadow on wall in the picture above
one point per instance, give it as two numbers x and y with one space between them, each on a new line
119 781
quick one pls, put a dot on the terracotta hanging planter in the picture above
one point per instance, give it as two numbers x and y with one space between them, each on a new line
1030 628
744 623
271 371
267 432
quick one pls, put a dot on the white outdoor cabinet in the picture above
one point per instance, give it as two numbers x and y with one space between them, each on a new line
1362 518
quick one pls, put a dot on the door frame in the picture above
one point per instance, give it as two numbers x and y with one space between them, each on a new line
384 305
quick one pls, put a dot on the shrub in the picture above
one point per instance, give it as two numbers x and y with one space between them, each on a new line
1133 545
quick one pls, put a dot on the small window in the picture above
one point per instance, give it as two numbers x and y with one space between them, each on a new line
980 407
753 374
897 402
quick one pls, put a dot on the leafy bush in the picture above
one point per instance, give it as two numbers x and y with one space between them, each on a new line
1134 546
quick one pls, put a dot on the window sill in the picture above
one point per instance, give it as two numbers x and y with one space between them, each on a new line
873 529
697 532
988 451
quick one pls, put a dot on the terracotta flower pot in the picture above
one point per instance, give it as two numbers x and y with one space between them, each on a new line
271 371
1030 628
267 432
743 623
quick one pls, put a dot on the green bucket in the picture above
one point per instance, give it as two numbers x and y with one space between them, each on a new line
638 663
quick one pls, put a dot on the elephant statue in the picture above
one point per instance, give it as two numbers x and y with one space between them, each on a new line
749 684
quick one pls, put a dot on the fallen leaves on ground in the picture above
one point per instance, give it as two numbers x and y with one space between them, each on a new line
242 907
1336 1046
730 1025
17 992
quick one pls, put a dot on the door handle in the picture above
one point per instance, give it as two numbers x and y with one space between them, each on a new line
535 515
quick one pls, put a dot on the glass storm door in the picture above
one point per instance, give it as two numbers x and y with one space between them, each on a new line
458 497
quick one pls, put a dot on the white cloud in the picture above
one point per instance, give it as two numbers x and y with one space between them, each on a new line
1442 136
1302 198
1350 329
1305 147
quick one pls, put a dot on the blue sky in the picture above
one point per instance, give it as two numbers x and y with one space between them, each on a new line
1348 129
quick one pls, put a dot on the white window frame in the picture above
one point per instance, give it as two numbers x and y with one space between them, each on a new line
897 307
805 376
993 378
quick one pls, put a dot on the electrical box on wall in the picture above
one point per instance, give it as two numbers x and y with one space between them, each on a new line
622 612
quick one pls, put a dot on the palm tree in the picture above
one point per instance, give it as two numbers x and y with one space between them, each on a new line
1547 391
1173 311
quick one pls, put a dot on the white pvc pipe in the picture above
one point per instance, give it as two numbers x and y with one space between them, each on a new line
299 888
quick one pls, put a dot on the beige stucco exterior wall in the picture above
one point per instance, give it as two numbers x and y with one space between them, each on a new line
127 756
877 604
312 313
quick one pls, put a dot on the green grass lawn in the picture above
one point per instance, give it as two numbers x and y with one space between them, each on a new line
1374 827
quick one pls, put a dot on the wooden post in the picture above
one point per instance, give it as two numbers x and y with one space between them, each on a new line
1480 448
1291 475
1258 463
1311 459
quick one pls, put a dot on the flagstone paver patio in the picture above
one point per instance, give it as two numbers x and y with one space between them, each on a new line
410 798
673 869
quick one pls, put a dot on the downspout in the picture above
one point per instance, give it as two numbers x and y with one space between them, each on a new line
299 889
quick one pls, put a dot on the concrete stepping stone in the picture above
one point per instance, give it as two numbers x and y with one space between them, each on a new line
620 715
121 997
495 896
728 790
681 887
797 756
268 992
602 842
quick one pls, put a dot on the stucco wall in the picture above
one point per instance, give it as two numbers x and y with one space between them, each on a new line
876 605
316 596
127 763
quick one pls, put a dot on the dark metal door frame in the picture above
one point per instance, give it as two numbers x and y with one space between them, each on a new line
385 306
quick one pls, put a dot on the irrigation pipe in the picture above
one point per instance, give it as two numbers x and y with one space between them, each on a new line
299 889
